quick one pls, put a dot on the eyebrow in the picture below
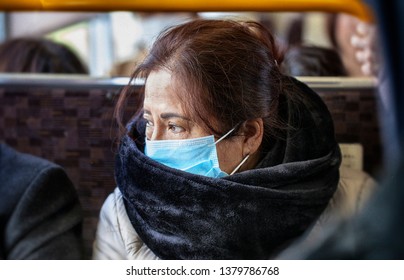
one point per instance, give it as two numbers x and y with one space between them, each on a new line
169 115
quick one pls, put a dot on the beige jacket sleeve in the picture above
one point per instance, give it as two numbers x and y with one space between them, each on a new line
116 239
354 189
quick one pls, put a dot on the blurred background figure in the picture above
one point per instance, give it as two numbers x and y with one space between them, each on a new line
38 55
40 213
356 42
313 61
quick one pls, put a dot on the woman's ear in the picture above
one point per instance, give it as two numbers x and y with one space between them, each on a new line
253 131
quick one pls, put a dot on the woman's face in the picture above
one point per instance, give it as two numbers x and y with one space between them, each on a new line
166 119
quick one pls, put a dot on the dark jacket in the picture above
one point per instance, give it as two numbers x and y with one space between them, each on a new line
40 214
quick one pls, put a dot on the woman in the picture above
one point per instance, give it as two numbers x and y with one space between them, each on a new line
226 158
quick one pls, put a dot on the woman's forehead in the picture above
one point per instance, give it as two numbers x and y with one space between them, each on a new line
162 91
158 82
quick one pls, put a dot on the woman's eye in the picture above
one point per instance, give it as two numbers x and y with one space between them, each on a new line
148 123
175 128
149 129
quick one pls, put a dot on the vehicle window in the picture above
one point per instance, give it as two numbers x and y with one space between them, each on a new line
109 49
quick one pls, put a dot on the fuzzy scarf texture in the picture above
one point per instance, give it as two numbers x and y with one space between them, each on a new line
249 215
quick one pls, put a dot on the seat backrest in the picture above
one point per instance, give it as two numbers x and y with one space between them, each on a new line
353 103
71 127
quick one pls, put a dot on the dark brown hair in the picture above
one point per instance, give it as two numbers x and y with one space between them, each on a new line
313 61
38 55
229 71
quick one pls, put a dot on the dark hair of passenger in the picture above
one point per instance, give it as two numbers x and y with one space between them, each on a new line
38 55
313 61
227 69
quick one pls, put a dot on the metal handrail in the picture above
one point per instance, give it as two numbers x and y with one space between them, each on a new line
354 7
64 81
88 82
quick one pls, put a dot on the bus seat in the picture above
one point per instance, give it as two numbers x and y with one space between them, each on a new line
72 128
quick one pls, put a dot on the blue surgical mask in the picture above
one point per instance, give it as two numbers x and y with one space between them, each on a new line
196 155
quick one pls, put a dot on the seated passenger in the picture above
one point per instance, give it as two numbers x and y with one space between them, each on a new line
313 61
38 55
40 213
225 158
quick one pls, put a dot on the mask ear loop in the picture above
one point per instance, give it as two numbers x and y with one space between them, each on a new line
224 136
240 164
243 161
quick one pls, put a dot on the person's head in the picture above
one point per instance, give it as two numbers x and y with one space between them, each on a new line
38 55
313 61
206 77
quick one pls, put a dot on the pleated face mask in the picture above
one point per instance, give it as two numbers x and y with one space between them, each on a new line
196 155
